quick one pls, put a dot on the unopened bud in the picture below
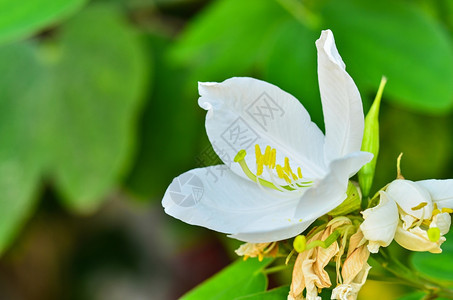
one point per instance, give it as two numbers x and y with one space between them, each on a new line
370 142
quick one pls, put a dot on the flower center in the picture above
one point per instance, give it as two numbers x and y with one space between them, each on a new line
267 161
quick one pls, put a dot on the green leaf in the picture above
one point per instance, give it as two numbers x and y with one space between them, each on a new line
19 19
439 266
228 38
239 279
101 76
18 187
67 110
274 294
399 41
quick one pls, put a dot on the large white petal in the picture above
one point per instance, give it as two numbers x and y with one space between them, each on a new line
441 191
409 195
226 202
330 192
380 223
341 102
244 111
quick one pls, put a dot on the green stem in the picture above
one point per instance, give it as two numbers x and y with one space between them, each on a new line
275 269
409 277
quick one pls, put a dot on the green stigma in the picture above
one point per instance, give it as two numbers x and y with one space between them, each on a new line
240 156
300 243
434 234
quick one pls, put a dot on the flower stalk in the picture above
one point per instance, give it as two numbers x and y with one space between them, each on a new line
434 289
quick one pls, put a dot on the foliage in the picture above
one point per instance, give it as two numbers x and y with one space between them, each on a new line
97 97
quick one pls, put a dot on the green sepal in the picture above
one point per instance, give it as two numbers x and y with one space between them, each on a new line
350 204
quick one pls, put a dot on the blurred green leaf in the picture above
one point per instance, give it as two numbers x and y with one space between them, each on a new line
18 186
170 127
274 294
228 38
67 109
438 266
19 19
239 279
425 141
413 296
291 65
101 75
418 296
399 41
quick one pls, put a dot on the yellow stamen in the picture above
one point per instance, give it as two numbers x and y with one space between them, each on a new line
260 257
268 159
273 158
420 206
447 210
299 172
259 165
245 257
267 155
426 222
239 158
286 178
436 212
287 167
257 151
280 173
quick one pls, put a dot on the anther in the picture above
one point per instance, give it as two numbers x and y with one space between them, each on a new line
259 165
267 155
273 158
257 151
299 172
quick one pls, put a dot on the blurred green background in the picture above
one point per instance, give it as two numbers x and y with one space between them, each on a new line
98 112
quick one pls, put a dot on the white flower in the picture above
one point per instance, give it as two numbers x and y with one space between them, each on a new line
302 174
409 212
380 223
